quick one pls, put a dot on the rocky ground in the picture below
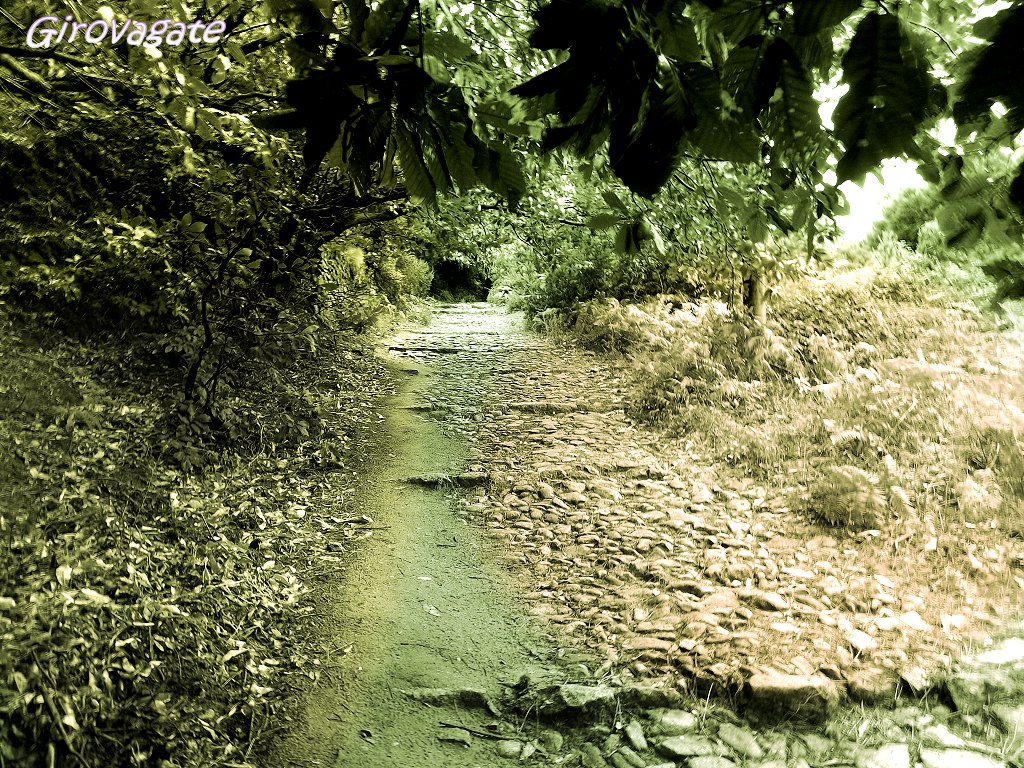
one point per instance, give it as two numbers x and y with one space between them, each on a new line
672 580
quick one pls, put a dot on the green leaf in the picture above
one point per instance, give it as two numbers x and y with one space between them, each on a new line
497 168
417 178
817 52
384 19
678 36
436 69
604 221
757 226
459 159
810 16
446 46
794 116
614 201
1016 193
739 79
433 159
645 142
236 51
624 238
659 241
995 74
737 20
887 98
393 60
726 140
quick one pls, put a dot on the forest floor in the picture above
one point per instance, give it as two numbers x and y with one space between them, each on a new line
532 552
557 583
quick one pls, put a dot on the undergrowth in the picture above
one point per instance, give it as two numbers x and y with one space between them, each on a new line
141 606
845 393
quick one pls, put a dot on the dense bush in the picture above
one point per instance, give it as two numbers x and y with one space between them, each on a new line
904 217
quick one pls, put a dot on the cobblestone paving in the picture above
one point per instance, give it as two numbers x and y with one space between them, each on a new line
664 574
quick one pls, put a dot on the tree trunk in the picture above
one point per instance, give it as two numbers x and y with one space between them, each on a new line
755 296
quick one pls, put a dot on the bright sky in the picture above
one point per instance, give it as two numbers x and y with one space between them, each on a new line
868 201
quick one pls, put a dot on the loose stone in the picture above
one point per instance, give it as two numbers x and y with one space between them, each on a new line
774 697
741 740
591 756
710 761
674 721
957 758
939 735
860 641
873 686
508 748
635 735
689 746
550 741
889 756
629 758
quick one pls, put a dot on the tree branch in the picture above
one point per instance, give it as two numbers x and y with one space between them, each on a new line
251 95
43 53
24 72
264 42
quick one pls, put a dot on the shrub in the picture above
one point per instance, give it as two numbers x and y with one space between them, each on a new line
904 217
848 497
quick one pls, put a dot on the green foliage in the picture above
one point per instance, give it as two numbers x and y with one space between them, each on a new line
889 84
386 96
848 497
905 216
963 224
135 598
1001 451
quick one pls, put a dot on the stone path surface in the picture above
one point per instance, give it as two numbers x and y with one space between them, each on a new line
699 621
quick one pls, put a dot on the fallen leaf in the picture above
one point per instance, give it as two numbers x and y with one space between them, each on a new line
93 597
64 575
456 735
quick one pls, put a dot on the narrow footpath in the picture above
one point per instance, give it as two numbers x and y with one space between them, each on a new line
550 584
425 622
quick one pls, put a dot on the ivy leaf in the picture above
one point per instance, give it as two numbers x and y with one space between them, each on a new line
810 16
889 82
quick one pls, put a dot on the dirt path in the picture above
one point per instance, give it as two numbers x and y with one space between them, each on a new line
524 523
423 617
